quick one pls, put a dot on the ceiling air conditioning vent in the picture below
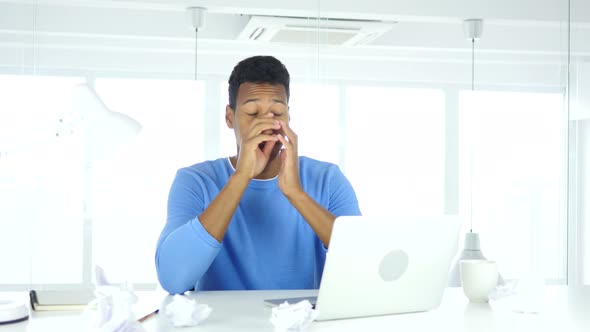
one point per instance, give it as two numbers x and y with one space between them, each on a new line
305 30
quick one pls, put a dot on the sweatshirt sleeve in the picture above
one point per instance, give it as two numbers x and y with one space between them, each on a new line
343 201
185 250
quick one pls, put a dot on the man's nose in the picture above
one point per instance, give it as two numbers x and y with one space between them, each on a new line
268 114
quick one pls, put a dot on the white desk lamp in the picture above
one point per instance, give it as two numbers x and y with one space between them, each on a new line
103 131
13 312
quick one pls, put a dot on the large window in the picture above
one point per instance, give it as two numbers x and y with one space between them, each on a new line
395 149
315 117
513 178
389 141
41 183
227 139
61 213
129 190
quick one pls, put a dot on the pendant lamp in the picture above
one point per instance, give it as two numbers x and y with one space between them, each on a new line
473 29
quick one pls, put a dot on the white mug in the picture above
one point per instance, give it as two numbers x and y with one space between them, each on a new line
478 278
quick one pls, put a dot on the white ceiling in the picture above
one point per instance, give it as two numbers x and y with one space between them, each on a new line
524 42
524 10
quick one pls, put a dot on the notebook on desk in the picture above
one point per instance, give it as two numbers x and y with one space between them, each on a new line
60 300
147 305
385 265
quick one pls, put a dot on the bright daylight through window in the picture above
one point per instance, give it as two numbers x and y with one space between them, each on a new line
512 178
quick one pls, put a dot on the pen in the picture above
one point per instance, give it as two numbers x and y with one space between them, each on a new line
144 318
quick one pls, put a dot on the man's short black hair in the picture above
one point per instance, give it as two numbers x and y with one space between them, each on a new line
257 69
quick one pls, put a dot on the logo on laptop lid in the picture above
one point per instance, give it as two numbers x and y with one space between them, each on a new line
393 265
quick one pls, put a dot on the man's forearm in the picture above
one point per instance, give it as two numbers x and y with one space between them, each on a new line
216 217
175 273
320 219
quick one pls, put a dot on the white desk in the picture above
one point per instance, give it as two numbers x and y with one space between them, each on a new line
564 309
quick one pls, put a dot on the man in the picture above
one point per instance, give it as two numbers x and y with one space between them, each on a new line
261 219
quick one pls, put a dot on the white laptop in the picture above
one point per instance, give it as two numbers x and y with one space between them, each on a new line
385 265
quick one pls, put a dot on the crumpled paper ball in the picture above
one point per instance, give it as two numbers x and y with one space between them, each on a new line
183 311
111 311
298 316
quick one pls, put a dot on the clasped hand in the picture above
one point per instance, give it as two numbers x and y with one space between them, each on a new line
262 145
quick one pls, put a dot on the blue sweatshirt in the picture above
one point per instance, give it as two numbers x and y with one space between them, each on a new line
268 244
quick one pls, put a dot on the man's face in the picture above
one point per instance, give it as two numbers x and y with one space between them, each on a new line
257 101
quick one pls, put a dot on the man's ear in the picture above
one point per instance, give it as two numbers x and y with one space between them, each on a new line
229 117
